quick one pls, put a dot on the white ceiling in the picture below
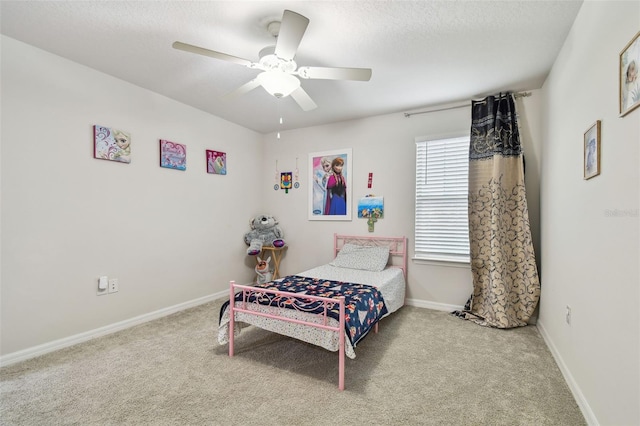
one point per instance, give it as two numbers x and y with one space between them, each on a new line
422 53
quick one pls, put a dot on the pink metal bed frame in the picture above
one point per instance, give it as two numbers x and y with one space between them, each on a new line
397 249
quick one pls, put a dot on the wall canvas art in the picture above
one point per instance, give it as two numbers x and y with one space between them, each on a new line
329 191
111 144
371 206
216 162
173 155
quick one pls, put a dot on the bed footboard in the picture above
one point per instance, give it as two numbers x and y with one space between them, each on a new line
296 301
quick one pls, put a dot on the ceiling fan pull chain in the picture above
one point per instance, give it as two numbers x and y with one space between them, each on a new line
279 117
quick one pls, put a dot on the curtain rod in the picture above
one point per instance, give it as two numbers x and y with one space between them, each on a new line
462 105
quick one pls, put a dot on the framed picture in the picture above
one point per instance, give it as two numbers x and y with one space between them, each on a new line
216 162
111 144
629 82
592 151
173 155
329 191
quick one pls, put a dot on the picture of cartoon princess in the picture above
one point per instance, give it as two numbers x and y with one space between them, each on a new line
336 203
328 175
320 177
111 144
216 162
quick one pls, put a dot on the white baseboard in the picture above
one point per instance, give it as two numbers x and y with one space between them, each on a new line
433 305
55 345
568 377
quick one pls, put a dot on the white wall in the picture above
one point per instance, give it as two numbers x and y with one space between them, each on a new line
67 218
385 146
590 258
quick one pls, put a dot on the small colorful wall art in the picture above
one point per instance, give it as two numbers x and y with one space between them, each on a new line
371 208
216 162
286 181
111 144
173 155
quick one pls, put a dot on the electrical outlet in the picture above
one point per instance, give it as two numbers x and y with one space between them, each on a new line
568 315
113 285
103 286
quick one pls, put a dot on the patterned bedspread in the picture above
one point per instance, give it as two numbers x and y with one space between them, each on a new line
364 305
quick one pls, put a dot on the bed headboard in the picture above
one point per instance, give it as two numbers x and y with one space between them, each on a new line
397 247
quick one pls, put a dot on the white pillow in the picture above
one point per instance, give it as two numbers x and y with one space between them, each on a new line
367 258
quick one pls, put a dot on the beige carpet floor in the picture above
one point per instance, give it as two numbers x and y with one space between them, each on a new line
424 367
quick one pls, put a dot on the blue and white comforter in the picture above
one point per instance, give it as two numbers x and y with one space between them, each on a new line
390 283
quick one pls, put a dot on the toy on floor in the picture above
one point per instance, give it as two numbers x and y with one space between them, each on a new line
264 232
263 271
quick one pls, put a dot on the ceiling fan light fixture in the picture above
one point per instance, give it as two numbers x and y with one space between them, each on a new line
278 83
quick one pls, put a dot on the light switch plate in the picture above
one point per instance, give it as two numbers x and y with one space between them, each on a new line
103 286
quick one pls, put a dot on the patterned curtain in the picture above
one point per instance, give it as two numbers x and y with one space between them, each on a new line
506 288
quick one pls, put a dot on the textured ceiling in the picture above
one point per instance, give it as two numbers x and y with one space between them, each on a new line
422 53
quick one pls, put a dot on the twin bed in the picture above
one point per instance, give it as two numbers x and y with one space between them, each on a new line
332 306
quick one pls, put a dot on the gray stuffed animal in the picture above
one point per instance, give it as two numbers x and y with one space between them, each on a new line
264 232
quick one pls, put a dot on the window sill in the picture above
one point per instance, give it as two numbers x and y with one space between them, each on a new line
451 263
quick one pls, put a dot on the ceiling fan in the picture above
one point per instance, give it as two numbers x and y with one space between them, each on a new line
279 76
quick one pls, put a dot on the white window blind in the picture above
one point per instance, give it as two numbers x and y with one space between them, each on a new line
442 174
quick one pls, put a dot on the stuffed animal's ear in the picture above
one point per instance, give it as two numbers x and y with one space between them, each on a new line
268 259
251 224
260 260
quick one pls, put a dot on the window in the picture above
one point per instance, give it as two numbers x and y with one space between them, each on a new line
442 174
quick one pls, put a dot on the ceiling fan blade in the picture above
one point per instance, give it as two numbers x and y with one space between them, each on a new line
211 53
357 74
292 28
247 87
303 99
